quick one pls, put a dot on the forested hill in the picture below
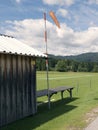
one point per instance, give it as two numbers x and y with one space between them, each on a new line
86 62
85 57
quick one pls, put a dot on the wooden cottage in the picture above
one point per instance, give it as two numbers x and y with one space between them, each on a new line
17 80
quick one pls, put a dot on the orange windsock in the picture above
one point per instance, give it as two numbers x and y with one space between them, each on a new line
51 13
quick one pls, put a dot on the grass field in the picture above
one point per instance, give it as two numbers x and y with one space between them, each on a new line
64 114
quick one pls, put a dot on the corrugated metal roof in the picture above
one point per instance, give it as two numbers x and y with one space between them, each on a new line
11 45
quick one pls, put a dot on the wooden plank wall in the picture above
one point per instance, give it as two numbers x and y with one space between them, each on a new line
17 87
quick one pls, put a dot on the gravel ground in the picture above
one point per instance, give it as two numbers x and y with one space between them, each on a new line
93 125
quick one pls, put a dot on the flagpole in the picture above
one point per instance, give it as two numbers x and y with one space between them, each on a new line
47 66
52 15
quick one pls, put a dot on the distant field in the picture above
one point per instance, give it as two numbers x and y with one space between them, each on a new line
63 78
64 114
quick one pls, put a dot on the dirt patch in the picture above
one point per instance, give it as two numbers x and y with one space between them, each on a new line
90 116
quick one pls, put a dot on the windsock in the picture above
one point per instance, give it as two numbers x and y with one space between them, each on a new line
52 15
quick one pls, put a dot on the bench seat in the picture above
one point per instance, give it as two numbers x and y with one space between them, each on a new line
50 92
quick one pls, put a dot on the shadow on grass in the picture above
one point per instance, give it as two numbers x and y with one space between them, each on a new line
43 115
95 98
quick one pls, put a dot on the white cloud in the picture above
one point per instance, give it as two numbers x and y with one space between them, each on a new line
18 1
59 2
64 41
93 1
62 12
29 31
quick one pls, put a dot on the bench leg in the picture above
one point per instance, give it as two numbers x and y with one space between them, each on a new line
62 94
70 92
49 100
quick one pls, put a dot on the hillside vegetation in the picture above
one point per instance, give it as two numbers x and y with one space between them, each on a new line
87 62
85 57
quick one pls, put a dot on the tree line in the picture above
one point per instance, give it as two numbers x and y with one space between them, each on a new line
65 65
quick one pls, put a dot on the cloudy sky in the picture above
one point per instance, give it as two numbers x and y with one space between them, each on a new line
78 19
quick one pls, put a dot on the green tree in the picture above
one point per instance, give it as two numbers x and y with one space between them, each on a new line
95 69
61 66
40 64
74 66
82 67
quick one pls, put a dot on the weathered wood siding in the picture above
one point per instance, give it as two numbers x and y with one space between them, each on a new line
17 87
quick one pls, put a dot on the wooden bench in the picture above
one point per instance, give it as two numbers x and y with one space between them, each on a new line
50 92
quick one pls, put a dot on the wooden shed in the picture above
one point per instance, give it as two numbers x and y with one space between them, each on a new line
17 80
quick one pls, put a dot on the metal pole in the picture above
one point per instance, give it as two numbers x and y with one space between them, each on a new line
47 66
90 83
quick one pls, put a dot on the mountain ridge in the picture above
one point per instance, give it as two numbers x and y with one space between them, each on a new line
84 57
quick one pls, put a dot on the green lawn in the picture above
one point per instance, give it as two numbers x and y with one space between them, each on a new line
64 114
